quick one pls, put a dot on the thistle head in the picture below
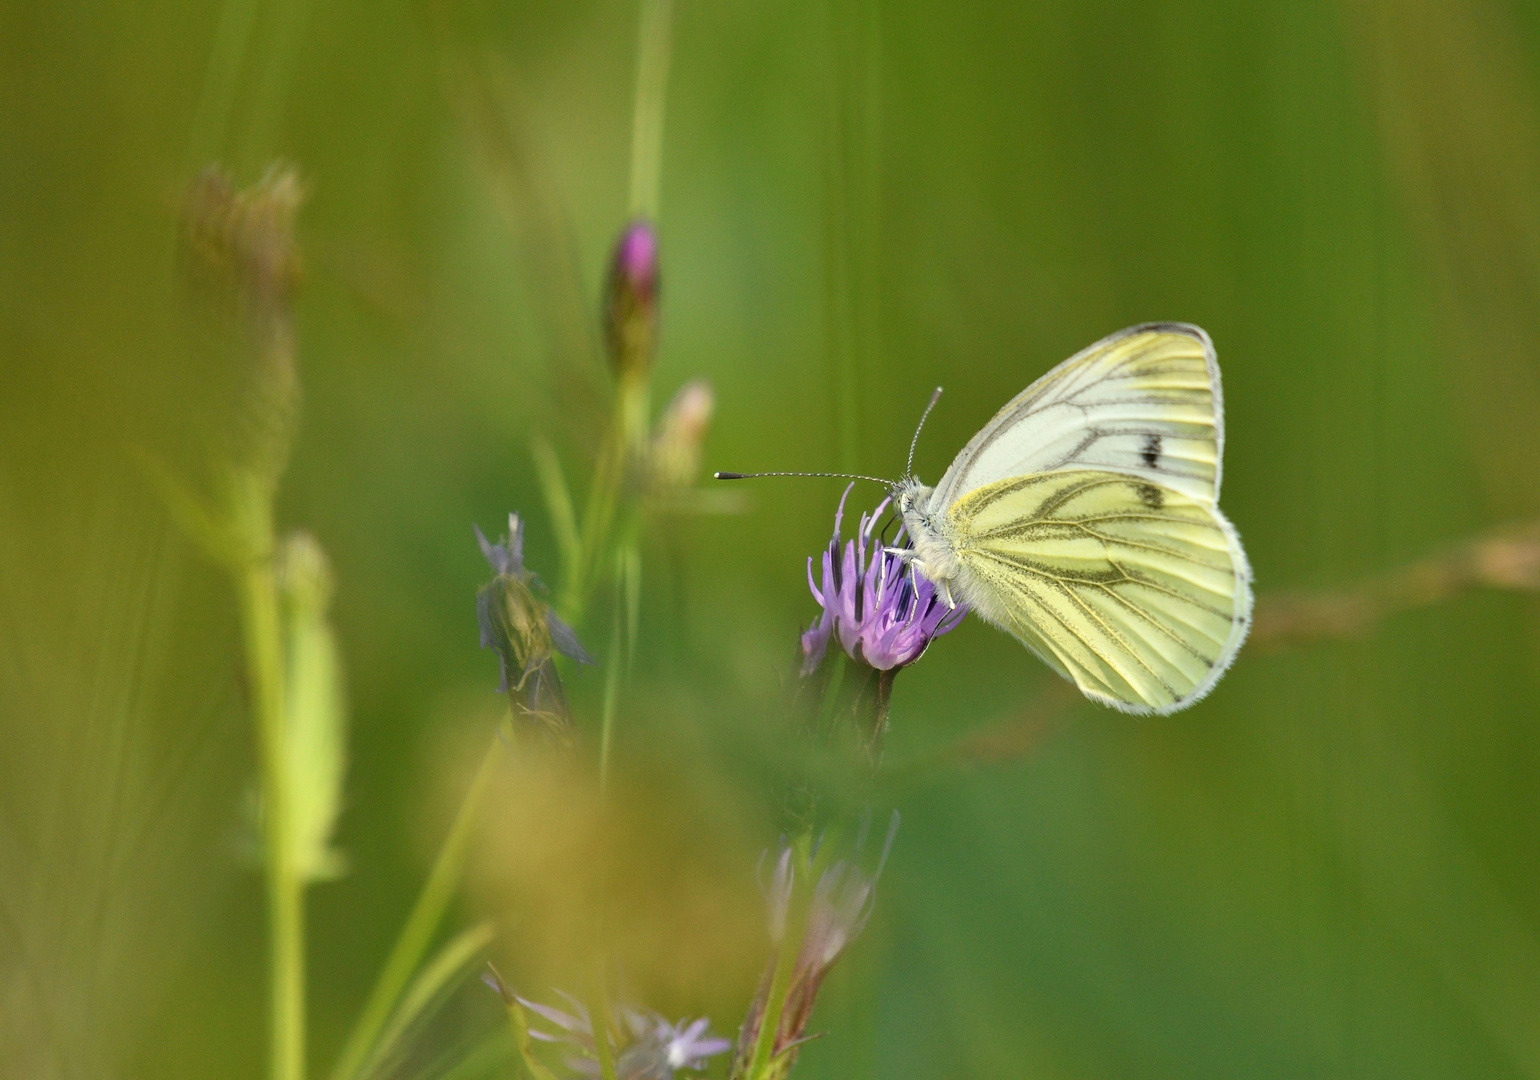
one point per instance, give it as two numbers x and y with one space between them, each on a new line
883 613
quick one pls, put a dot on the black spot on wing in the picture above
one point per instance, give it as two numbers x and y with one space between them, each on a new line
1151 496
1150 452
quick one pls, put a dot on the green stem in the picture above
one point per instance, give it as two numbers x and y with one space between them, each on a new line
272 91
421 924
599 1013
263 632
211 118
597 515
775 1003
654 46
611 699
785 961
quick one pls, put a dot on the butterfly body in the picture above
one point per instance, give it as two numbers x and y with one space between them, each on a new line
1084 520
932 552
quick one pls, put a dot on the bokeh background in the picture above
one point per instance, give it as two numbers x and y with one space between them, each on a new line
1330 868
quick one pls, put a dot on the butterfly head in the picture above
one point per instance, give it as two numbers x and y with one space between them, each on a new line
910 496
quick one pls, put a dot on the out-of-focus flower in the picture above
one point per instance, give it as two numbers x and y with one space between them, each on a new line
244 238
658 1048
574 1028
631 301
883 614
674 458
239 254
647 1047
526 633
655 872
841 904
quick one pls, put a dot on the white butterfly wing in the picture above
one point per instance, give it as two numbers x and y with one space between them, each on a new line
1138 594
1085 520
1145 401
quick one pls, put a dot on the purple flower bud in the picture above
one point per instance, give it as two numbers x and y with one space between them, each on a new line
883 613
631 301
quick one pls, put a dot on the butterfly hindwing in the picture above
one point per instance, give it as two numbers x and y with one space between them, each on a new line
1136 591
1146 402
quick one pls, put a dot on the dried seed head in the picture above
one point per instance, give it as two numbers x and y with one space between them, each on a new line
519 624
240 256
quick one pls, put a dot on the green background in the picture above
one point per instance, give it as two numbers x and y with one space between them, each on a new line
1330 868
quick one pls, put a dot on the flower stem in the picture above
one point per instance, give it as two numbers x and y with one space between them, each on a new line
785 961
211 118
421 924
613 663
288 31
579 577
599 1013
654 46
882 698
263 633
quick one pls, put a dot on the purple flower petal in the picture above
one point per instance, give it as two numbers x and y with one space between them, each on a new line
883 614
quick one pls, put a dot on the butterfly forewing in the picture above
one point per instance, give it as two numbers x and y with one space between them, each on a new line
1145 401
1137 591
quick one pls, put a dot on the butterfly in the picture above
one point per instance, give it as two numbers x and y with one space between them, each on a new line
1084 520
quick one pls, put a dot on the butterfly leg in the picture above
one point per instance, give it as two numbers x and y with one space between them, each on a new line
907 556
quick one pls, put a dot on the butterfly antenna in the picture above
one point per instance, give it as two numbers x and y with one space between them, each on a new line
839 475
914 442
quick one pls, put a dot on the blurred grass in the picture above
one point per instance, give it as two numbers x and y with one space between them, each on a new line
1329 868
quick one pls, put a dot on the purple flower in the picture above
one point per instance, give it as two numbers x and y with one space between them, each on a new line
884 614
